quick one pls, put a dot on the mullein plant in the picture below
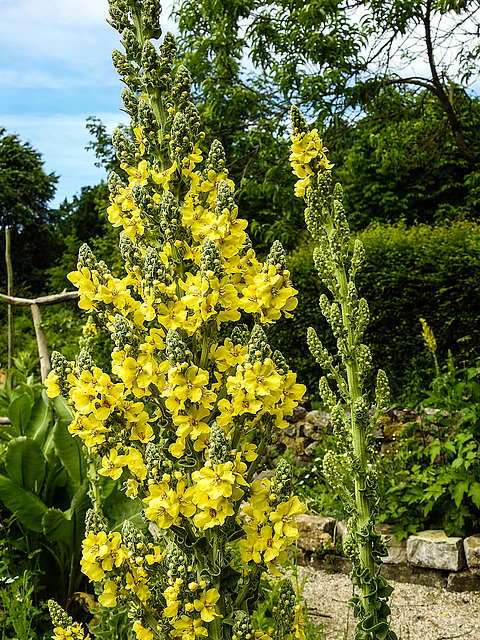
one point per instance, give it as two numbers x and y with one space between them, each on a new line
196 393
343 387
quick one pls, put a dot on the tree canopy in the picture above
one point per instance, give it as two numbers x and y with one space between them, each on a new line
25 189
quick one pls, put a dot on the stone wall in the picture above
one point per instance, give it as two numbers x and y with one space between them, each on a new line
429 558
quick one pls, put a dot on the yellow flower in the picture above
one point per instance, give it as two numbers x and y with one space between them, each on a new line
109 595
141 632
52 384
188 628
283 517
112 465
206 604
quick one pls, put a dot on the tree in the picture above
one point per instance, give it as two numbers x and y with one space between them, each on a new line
361 48
25 189
401 161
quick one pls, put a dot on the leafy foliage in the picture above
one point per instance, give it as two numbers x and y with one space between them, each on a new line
423 271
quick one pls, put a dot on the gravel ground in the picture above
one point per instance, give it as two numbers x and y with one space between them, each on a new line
418 612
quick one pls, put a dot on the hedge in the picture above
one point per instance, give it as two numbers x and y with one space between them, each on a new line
422 271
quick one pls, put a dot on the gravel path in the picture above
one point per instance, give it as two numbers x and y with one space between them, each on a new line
418 612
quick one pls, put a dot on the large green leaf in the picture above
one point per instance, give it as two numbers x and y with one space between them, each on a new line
62 409
25 463
39 422
70 451
68 526
19 412
28 507
57 527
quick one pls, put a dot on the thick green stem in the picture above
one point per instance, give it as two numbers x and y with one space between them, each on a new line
362 503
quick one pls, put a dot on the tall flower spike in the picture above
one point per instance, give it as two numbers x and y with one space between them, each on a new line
348 317
183 420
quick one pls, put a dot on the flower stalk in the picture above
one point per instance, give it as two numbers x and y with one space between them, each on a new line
193 397
350 471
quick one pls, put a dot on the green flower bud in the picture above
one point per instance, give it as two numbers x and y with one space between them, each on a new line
276 257
58 615
327 395
211 265
220 446
258 347
176 562
216 158
85 362
224 203
176 350
86 258
240 334
156 462
181 138
62 368
150 63
95 522
123 336
126 70
318 351
134 539
151 10
282 482
284 612
147 121
126 149
131 254
130 102
170 216
299 124
382 392
362 318
181 88
153 268
119 11
242 626
115 183
131 44
280 363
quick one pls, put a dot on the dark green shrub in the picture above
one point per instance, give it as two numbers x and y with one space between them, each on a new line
409 273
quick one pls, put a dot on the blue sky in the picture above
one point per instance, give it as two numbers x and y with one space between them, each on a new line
55 71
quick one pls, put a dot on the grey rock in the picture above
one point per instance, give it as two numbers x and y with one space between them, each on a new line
416 575
471 546
320 419
312 530
435 550
463 580
397 550
341 530
298 414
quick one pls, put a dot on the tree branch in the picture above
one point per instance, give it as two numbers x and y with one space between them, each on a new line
43 301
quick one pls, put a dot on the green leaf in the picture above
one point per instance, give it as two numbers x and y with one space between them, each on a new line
57 527
70 451
19 413
474 493
458 491
25 505
62 409
25 463
39 422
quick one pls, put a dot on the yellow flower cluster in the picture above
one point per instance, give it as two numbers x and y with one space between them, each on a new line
269 530
105 555
190 404
307 146
72 631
